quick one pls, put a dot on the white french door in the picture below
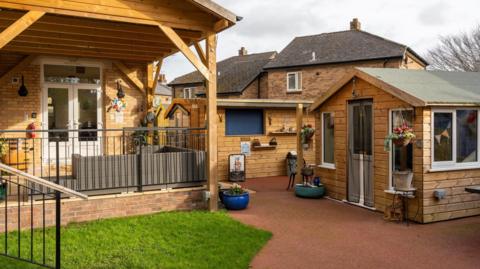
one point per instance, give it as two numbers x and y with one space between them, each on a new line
71 114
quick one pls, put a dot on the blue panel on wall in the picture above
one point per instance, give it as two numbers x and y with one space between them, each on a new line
244 122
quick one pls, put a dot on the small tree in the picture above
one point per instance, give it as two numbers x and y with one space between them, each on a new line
457 52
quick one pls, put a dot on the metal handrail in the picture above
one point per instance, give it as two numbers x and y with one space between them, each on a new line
104 130
41 181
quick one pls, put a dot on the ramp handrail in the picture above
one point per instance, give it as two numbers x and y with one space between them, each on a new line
41 181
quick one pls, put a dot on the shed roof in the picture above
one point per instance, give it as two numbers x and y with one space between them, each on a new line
338 47
234 73
418 87
163 89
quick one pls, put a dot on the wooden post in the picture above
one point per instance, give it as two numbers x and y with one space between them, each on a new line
298 178
211 91
150 95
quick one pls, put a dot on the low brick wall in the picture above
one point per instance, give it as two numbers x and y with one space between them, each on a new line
103 207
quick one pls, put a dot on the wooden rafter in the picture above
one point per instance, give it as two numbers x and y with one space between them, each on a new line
183 47
151 13
17 68
19 26
200 52
67 51
130 76
98 25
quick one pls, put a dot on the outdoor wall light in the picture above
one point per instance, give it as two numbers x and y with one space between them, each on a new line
120 91
439 193
22 91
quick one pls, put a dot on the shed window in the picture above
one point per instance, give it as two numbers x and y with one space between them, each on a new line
244 122
294 82
455 138
328 146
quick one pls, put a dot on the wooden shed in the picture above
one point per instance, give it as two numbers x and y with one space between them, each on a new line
355 116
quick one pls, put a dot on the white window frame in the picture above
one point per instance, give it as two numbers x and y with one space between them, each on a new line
323 163
390 152
298 81
453 165
188 90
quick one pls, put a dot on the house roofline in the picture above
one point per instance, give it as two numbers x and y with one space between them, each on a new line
334 62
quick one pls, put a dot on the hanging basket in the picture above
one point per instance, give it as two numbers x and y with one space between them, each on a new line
402 142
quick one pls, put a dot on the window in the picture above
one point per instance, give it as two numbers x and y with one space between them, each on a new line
188 93
401 157
244 122
328 146
294 82
455 138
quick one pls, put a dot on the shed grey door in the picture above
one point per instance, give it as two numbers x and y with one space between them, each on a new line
360 153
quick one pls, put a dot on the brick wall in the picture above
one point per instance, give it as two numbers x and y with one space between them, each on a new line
317 79
265 162
104 207
16 111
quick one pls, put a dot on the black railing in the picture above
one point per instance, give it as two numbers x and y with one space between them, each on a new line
24 229
107 161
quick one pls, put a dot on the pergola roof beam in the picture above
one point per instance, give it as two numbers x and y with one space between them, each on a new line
19 26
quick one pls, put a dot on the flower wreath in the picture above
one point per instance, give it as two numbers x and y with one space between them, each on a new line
118 104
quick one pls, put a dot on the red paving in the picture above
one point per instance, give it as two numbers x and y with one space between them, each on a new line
330 234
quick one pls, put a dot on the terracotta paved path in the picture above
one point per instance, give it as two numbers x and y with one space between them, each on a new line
330 234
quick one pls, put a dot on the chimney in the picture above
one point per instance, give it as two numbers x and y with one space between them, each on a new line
162 79
242 51
355 25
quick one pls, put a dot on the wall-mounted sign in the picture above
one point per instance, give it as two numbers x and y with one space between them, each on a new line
245 148
236 167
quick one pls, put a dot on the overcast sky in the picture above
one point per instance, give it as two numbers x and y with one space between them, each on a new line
269 25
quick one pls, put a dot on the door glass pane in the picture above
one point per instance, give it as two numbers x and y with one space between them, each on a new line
466 136
328 139
57 113
442 140
367 128
362 129
402 156
357 132
87 114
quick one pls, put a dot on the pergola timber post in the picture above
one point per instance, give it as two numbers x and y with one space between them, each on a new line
19 26
298 177
153 74
211 91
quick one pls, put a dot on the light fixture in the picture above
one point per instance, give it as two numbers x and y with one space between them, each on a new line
120 92
23 90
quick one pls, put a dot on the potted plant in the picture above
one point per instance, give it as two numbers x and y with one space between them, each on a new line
236 198
306 135
401 137
307 189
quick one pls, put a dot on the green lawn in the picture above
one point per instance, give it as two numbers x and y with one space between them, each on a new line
165 240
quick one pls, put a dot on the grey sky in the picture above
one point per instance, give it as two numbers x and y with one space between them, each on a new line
272 24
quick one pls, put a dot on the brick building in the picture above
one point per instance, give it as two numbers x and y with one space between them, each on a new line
304 69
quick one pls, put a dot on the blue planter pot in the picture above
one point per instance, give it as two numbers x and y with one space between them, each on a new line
309 191
236 202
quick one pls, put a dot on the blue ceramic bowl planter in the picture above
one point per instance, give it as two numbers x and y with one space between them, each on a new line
235 202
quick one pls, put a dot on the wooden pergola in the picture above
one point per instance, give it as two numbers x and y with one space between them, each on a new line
142 31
